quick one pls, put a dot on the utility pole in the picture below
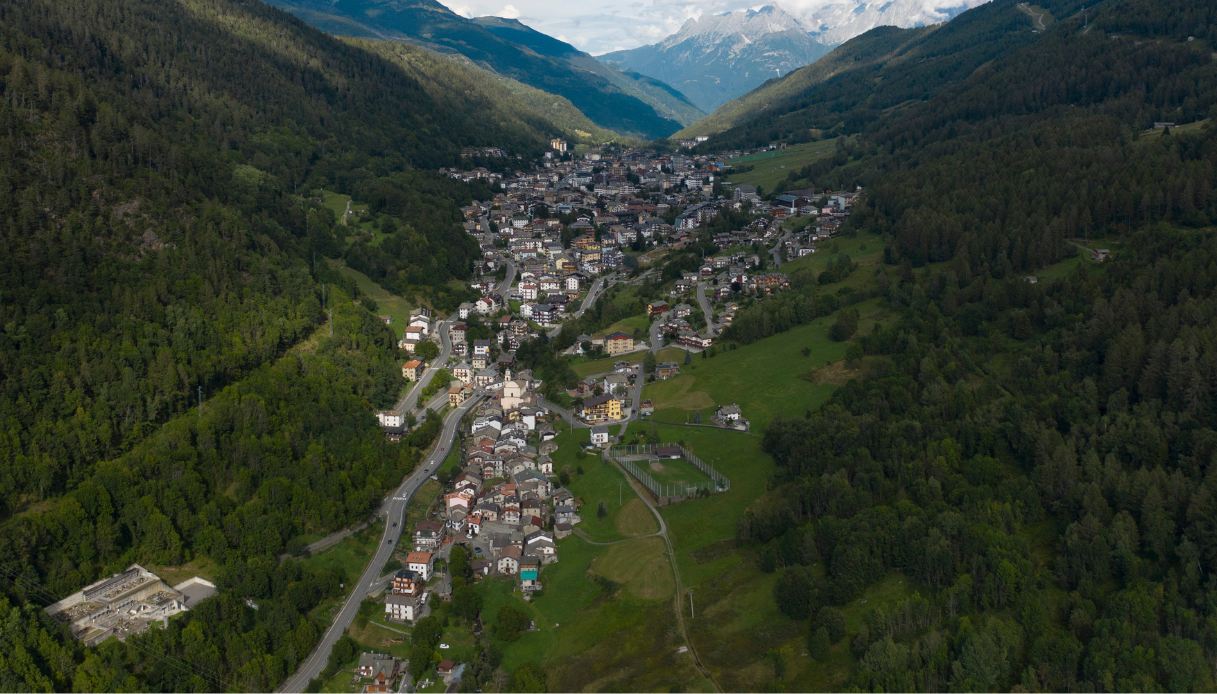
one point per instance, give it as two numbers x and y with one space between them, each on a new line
690 604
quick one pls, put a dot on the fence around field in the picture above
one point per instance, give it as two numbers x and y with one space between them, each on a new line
670 492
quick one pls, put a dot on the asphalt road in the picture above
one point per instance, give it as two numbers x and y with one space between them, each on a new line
593 294
655 336
394 511
409 401
707 309
510 279
776 251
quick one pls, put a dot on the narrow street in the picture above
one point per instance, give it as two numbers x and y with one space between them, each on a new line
394 512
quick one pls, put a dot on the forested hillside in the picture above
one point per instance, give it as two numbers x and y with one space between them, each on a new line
159 164
460 84
875 76
628 104
1031 444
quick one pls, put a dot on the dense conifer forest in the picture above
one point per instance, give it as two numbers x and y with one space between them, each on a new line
163 233
1038 457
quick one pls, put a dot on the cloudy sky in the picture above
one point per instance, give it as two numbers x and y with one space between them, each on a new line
600 26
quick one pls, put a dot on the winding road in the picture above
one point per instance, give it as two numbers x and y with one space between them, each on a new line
409 401
394 511
593 294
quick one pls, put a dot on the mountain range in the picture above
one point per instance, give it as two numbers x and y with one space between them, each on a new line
867 77
718 57
626 102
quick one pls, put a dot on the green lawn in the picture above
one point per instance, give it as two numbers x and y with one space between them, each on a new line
387 304
588 367
767 378
629 326
677 473
736 621
350 556
599 483
866 250
603 621
337 203
736 626
771 168
595 633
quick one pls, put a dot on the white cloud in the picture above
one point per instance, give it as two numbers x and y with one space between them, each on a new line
601 26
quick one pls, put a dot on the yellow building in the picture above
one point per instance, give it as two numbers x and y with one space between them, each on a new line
618 343
605 408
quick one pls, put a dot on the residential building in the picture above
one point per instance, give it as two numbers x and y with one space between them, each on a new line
618 343
412 370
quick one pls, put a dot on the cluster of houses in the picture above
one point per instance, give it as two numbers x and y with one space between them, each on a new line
574 218
381 673
505 504
418 330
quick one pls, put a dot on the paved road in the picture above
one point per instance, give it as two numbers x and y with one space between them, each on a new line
776 251
593 294
636 395
409 401
394 510
707 309
509 279
655 337
566 414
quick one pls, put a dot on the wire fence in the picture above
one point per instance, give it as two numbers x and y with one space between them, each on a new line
670 492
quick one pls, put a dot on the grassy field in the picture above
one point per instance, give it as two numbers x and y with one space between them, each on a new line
634 325
422 502
676 473
337 203
735 621
866 250
350 556
1080 259
737 627
199 566
603 623
600 483
766 378
771 168
388 304
639 566
585 368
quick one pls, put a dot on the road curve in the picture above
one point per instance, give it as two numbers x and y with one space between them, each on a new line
592 294
394 511
409 401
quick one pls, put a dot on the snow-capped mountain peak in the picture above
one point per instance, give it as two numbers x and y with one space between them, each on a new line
837 21
744 25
